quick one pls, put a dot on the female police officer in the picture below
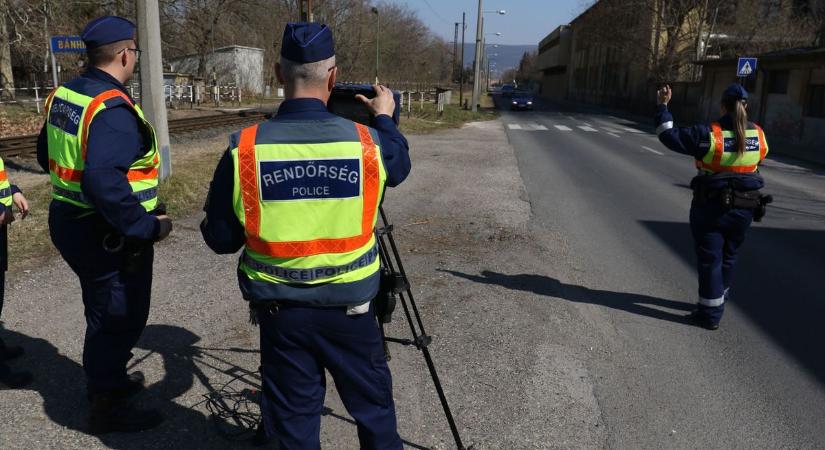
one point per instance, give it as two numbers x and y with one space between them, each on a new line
725 192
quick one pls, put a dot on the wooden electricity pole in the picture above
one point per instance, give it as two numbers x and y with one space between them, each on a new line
306 11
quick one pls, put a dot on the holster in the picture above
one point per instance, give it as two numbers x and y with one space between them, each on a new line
130 249
729 198
390 286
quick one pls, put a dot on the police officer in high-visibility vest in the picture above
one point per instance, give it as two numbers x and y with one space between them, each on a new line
300 194
725 191
9 195
102 157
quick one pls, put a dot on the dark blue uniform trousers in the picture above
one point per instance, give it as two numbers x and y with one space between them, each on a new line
717 235
115 300
297 344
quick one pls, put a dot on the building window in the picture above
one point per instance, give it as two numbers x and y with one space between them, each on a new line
778 82
816 101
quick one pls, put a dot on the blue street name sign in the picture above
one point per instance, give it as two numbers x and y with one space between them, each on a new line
746 67
68 44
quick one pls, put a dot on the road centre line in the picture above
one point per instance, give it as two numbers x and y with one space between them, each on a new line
654 151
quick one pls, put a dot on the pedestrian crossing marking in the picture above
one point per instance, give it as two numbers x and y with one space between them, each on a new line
611 130
563 128
614 135
527 127
586 128
632 130
654 151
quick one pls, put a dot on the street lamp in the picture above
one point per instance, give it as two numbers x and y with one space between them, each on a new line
479 47
377 43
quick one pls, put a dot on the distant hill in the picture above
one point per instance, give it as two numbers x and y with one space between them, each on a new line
508 55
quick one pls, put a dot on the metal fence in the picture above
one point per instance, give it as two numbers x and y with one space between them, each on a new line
176 96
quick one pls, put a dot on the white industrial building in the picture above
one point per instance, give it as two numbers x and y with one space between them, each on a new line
232 65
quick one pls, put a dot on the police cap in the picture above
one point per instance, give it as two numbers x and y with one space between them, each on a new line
307 42
107 29
735 91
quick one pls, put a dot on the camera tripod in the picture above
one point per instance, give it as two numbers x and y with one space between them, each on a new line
394 284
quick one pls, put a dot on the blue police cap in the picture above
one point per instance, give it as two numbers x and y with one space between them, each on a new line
107 29
736 91
307 42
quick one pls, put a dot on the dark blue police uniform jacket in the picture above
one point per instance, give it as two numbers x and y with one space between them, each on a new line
115 143
224 233
695 141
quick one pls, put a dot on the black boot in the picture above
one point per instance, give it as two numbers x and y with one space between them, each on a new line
9 352
109 413
13 380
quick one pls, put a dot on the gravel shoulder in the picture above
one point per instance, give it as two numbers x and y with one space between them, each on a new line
511 357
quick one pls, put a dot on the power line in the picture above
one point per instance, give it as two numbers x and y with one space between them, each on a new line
436 13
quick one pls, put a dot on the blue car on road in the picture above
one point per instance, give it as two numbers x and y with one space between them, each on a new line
521 100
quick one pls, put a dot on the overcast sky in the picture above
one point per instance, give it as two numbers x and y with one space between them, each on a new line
526 21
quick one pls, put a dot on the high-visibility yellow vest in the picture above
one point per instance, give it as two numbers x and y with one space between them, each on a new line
67 126
5 185
722 155
308 195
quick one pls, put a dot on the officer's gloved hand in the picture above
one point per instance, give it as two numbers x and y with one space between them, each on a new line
165 227
382 103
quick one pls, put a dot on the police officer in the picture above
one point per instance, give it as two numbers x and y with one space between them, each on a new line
300 193
725 191
101 155
10 195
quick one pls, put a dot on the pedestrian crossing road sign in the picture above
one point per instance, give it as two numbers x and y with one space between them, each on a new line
746 67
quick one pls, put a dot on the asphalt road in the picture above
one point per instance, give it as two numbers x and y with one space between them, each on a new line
552 266
621 199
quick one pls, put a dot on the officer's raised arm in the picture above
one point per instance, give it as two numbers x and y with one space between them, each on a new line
394 146
684 140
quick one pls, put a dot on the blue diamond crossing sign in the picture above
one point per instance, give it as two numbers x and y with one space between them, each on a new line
746 67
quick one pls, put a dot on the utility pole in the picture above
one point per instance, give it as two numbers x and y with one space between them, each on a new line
455 50
461 69
477 63
377 41
306 11
152 97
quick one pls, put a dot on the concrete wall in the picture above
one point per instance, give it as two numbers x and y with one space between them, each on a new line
552 60
783 116
235 65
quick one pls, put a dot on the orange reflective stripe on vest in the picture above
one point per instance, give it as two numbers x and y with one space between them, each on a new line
90 113
3 176
719 139
763 143
49 101
248 174
719 150
66 174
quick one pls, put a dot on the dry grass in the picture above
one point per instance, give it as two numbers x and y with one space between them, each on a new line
428 121
183 192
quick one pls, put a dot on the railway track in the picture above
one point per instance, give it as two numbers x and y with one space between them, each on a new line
27 145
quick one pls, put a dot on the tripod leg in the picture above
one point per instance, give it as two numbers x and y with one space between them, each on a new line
384 341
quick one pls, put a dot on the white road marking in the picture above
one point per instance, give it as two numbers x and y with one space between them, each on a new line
614 135
585 128
537 127
514 126
654 151
611 130
563 128
632 130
